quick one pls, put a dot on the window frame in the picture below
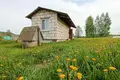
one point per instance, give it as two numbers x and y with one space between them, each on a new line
46 24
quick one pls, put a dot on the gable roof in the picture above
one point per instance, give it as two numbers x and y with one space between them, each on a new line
28 32
63 16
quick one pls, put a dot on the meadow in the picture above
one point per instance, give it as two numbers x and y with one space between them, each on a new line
78 59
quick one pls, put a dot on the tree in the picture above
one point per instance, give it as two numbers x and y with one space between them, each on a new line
97 25
102 25
90 28
107 24
8 32
78 31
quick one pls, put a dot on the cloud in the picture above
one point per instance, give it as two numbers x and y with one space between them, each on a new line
79 13
81 2
13 13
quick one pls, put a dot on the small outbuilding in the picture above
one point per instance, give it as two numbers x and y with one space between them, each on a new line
7 37
31 36
54 25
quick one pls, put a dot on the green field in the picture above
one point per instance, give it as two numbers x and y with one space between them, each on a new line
79 59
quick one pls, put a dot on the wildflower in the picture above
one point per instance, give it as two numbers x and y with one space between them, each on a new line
68 59
97 45
105 70
71 67
97 51
62 76
94 59
112 68
20 78
86 57
1 65
44 61
103 47
59 70
57 57
75 68
6 71
74 60
79 75
4 57
3 76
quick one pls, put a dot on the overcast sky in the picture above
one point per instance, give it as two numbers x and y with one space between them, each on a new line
13 12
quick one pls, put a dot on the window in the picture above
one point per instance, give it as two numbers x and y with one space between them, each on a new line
45 23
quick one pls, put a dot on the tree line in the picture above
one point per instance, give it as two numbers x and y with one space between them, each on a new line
99 27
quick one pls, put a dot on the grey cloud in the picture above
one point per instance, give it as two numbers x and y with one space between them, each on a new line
13 12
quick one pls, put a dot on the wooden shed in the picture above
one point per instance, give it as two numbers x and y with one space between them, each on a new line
31 36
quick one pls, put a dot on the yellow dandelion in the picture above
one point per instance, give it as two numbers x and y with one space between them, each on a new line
103 47
74 60
62 76
112 68
57 57
6 71
3 76
59 70
97 45
105 70
75 68
68 59
86 57
94 59
97 51
79 75
4 57
1 65
71 67
20 78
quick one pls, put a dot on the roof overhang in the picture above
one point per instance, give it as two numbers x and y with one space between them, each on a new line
63 16
28 33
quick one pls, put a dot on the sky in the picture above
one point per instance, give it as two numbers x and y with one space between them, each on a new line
13 12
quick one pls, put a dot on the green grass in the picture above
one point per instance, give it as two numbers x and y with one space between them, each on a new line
40 63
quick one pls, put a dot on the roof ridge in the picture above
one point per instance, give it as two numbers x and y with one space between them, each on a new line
64 16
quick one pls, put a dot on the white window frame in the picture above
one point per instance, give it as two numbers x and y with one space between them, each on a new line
46 24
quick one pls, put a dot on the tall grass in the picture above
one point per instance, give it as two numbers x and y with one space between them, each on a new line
41 63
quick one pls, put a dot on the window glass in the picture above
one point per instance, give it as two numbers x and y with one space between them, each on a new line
45 23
